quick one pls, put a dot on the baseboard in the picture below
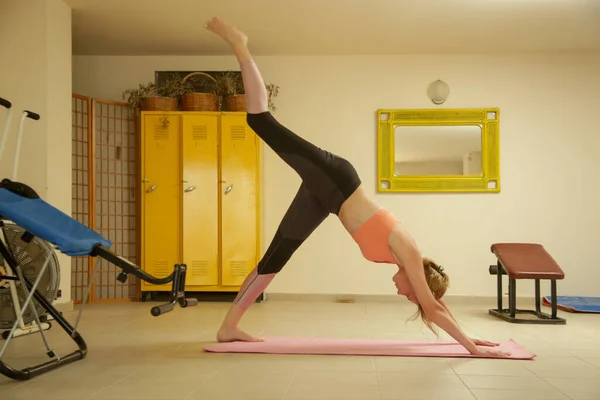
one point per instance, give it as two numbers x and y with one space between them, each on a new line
387 298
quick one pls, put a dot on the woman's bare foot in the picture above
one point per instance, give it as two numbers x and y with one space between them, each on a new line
235 335
227 32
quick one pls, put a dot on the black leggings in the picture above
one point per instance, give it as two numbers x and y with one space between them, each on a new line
327 181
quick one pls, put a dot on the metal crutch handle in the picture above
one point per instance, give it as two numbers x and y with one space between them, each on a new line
26 114
5 103
32 115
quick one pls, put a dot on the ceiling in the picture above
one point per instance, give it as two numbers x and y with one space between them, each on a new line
336 27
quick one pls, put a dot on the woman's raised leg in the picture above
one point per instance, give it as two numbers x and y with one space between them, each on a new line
254 86
308 160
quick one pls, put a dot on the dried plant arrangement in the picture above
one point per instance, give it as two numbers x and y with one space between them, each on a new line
201 94
273 91
196 91
149 97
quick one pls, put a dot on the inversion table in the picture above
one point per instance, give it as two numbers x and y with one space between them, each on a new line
20 205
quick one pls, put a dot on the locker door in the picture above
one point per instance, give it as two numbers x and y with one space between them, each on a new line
200 199
239 192
161 195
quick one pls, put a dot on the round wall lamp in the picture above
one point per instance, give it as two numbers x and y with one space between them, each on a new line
438 91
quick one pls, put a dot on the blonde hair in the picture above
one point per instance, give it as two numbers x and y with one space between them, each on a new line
438 281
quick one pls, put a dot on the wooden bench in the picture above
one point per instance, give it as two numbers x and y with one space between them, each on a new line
525 261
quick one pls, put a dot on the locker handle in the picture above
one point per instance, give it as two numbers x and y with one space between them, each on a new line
189 189
229 188
151 188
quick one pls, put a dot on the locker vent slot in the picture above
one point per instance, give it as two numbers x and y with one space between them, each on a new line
199 268
162 269
239 268
161 133
200 132
238 132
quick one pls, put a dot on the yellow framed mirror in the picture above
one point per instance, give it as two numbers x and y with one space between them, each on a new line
438 150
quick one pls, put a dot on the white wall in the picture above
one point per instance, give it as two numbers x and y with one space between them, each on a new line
549 144
59 92
23 81
35 74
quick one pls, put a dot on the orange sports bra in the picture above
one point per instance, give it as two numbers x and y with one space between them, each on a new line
372 237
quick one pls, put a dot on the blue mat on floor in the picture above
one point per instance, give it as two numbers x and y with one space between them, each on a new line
576 303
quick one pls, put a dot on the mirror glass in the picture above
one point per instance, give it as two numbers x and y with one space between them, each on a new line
438 150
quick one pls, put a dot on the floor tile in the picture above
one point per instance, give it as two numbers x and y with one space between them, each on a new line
504 382
577 389
508 394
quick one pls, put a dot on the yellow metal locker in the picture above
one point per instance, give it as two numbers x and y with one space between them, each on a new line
200 198
200 171
161 203
239 208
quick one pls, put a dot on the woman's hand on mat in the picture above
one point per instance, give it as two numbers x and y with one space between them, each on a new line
489 352
480 342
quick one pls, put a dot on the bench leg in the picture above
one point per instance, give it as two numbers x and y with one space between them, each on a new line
512 297
510 314
538 302
499 286
554 297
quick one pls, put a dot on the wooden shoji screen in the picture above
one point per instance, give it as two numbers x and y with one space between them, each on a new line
81 267
105 194
115 139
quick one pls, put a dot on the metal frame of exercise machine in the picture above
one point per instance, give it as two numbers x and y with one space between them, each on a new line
21 205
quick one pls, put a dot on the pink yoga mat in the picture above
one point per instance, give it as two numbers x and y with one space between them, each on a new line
371 347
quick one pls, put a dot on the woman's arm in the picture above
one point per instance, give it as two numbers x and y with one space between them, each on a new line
447 309
478 342
407 254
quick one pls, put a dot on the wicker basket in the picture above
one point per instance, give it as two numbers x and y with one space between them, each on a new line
199 101
159 104
236 102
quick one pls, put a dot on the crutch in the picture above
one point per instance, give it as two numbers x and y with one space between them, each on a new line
26 114
33 327
8 105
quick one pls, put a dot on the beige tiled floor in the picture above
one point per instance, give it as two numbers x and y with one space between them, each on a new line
136 356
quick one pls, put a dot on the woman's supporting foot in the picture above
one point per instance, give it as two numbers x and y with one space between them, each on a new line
235 335
229 331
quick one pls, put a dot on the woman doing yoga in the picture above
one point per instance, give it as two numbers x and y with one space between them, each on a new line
330 185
